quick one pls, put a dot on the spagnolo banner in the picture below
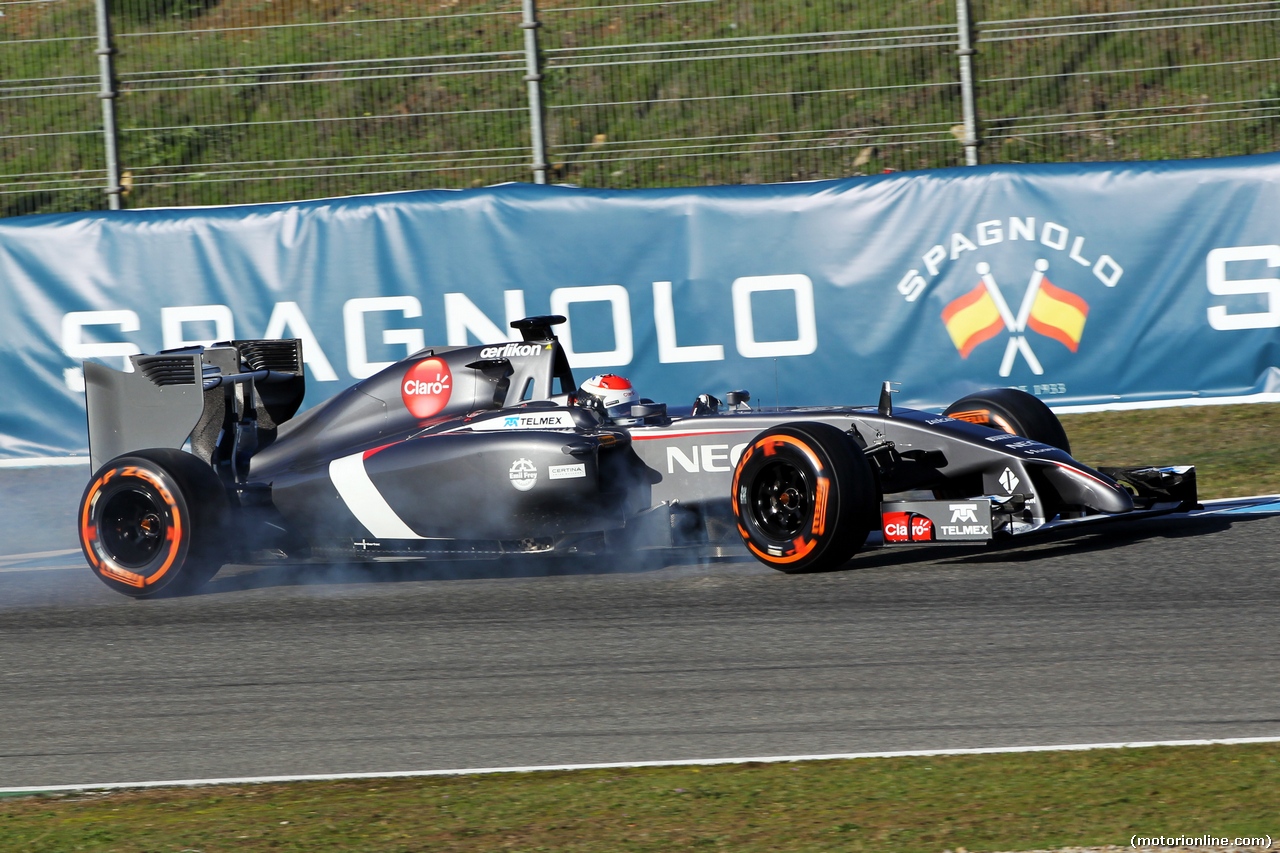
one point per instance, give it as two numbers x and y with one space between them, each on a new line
1022 283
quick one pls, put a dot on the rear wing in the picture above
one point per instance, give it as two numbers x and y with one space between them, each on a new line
227 399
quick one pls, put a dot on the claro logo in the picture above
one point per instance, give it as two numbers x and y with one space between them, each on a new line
427 387
906 527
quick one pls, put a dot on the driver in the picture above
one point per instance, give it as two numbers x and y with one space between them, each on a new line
609 394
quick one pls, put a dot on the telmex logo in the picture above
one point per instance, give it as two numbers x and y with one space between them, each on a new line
964 512
427 387
511 351
553 420
559 419
983 312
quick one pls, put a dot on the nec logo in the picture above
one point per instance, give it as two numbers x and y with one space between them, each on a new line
704 458
964 512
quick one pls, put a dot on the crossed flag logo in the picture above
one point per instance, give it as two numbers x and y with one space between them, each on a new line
982 313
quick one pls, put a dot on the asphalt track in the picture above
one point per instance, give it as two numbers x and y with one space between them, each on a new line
1153 630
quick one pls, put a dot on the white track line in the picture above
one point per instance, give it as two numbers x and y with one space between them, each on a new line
621 765
10 559
13 570
1118 406
43 461
12 563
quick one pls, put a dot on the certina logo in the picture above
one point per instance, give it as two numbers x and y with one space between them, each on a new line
427 387
964 512
982 301
511 351
523 474
566 472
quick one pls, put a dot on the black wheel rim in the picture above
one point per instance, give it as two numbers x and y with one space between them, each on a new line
132 526
781 499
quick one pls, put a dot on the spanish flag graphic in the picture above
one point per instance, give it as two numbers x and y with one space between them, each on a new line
972 319
1058 314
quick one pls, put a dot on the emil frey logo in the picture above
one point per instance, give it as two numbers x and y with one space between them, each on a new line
984 311
427 387
523 474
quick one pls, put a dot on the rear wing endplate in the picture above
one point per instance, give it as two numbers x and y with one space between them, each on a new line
203 394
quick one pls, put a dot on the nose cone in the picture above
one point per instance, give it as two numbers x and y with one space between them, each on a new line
1085 487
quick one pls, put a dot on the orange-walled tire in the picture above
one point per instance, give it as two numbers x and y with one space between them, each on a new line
151 522
804 497
1012 411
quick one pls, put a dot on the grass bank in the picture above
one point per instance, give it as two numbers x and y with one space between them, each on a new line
984 802
1234 448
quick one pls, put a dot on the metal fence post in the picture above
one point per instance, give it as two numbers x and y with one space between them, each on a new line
533 77
965 51
107 93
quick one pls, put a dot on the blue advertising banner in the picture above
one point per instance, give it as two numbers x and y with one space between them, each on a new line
1087 285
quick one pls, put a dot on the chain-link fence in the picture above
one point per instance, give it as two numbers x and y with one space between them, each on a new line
51 149
1128 80
223 101
283 100
734 91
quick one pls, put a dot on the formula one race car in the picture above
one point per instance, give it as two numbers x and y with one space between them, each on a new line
484 451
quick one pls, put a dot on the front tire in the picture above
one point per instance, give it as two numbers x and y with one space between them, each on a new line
804 497
151 521
1012 411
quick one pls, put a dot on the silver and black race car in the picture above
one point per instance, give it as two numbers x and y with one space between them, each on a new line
485 451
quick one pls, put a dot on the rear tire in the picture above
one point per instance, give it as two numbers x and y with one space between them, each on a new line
1012 411
151 522
804 497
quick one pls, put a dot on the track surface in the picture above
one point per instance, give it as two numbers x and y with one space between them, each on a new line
1156 630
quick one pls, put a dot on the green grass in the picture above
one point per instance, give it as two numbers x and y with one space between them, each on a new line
981 803
1234 448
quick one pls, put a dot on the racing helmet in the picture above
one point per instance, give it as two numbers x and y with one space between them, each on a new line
609 394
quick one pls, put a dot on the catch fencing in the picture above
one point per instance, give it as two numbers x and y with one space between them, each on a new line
148 103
